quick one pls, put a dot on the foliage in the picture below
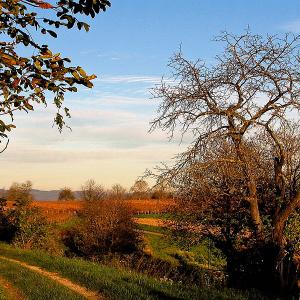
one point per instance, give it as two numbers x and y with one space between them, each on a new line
24 80
106 227
23 224
292 232
66 194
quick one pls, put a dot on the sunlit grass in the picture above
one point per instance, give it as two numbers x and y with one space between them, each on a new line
33 285
151 228
117 284
3 295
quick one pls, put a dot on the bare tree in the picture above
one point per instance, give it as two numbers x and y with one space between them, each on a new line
118 192
91 191
253 87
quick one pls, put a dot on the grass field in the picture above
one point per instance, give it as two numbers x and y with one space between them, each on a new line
113 283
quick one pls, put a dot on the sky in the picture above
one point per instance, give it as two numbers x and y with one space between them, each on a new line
128 48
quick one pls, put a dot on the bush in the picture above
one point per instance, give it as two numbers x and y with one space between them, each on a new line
30 229
106 227
24 225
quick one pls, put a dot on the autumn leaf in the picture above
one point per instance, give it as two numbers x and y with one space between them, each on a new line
45 5
16 82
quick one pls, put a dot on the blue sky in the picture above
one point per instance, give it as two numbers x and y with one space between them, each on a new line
128 48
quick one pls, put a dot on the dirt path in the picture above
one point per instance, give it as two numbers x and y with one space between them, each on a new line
63 281
12 292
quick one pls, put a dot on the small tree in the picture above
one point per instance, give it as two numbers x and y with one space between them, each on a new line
66 194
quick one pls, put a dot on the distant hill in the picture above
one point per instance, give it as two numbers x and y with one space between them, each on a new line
45 195
40 195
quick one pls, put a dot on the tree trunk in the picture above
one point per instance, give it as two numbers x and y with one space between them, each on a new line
285 270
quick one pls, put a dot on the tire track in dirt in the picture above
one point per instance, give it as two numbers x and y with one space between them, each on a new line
91 295
11 291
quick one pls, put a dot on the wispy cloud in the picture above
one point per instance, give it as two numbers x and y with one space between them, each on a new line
130 79
113 100
292 26
49 155
109 140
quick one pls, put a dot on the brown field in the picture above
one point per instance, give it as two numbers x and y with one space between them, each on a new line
59 211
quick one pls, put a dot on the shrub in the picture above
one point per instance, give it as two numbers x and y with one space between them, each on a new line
23 224
106 227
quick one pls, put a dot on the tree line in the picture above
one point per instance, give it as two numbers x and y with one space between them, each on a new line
140 190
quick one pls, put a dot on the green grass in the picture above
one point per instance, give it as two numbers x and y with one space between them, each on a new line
151 228
162 248
68 223
3 295
115 283
201 255
33 285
